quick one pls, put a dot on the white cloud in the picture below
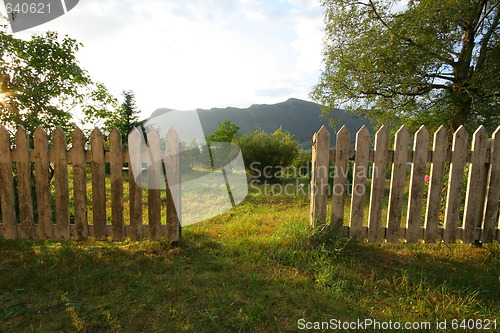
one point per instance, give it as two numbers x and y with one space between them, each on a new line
200 53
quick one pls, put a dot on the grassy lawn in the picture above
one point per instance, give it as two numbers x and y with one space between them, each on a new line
257 268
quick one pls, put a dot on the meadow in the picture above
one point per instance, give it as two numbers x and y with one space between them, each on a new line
256 268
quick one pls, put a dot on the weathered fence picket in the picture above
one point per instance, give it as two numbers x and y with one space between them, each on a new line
414 217
491 218
455 180
375 231
135 191
7 198
320 161
360 172
79 185
473 202
339 178
432 230
60 159
37 217
41 158
23 167
397 185
154 177
98 185
172 163
429 223
116 171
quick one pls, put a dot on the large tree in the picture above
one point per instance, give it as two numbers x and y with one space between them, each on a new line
427 62
42 83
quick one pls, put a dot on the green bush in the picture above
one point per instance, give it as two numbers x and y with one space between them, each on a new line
267 155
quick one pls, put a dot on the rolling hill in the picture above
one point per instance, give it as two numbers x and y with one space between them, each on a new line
299 117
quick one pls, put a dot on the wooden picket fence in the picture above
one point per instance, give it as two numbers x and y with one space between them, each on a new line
480 220
17 165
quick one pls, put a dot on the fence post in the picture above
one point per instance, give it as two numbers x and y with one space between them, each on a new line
414 231
154 176
7 187
439 150
173 181
360 172
98 185
319 180
60 158
490 220
455 181
473 211
41 159
378 185
23 165
135 190
79 184
339 179
397 185
116 169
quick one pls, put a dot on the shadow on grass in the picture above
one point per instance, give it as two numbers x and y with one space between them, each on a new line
229 283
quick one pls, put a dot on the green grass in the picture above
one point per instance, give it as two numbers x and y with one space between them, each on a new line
256 268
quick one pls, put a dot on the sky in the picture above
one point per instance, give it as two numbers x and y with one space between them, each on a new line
198 53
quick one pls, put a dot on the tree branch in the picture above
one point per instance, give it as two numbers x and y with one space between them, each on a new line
377 15
485 16
441 76
486 39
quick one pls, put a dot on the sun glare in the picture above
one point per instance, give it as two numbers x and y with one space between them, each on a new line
3 97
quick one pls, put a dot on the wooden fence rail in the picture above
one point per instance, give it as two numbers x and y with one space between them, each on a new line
26 207
426 220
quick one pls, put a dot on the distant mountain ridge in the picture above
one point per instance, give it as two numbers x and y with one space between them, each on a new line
301 118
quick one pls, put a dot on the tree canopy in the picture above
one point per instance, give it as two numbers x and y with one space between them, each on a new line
125 117
42 83
428 62
226 132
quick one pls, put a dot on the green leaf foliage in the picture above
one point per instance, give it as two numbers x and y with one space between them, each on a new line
225 133
42 84
428 62
265 154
